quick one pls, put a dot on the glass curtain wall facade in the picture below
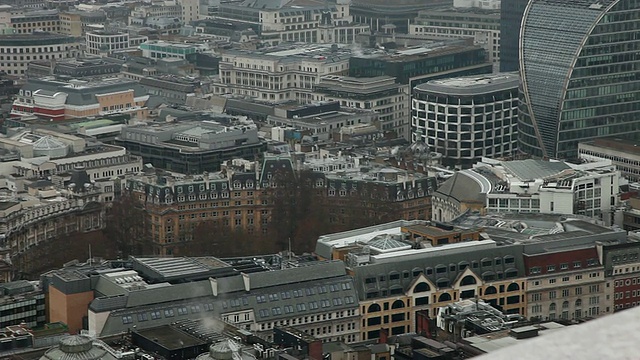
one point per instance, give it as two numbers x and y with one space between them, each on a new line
510 18
580 71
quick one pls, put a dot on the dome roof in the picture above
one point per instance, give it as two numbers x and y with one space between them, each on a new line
77 347
224 350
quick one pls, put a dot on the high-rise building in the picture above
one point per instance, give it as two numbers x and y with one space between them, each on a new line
510 18
579 68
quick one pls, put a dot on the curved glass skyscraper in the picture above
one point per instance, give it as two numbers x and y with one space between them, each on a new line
580 72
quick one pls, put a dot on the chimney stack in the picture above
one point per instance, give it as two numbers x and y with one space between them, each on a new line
247 282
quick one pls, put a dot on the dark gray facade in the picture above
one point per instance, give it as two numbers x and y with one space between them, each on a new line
510 18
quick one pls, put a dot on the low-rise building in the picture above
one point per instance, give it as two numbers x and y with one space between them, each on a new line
59 99
296 21
76 23
523 265
323 123
104 43
380 94
18 50
45 211
22 302
621 152
623 274
193 147
280 74
532 186
156 9
27 21
483 26
418 64
159 49
318 298
76 68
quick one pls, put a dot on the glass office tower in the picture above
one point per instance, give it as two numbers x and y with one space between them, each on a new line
580 74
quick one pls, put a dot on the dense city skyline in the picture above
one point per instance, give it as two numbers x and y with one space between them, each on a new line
315 179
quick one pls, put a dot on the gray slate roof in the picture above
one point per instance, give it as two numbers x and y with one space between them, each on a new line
462 188
428 264
273 295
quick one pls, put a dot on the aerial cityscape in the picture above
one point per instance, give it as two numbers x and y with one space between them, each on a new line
319 179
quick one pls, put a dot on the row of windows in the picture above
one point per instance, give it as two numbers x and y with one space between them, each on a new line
168 313
302 307
563 266
321 289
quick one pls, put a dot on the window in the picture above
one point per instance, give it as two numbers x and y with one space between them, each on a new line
127 319
208 307
551 268
155 315
195 309
261 299
142 317
168 313
182 311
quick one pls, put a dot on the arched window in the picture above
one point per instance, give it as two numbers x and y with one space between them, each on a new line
398 304
491 290
552 307
373 308
513 287
468 280
422 287
444 297
565 305
578 302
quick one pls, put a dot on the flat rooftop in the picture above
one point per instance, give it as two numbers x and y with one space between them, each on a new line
170 338
615 143
472 85
436 231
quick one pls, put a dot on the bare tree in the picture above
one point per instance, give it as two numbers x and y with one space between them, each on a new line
128 226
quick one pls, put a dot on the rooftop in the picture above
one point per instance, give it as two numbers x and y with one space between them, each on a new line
434 49
597 339
170 338
619 144
534 169
472 85
293 52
